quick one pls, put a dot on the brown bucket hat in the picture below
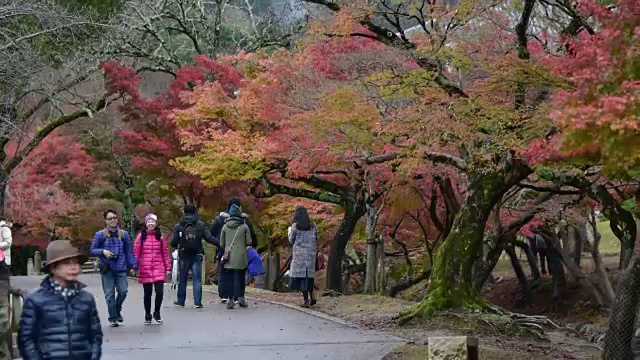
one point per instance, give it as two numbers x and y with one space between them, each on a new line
59 250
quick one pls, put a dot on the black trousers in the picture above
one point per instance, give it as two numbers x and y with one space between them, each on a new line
236 282
542 253
148 290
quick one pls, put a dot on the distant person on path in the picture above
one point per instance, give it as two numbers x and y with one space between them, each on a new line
6 240
235 238
216 229
154 264
541 247
303 236
114 249
187 238
60 319
255 269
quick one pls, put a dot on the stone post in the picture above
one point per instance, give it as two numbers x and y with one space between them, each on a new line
453 347
37 262
30 267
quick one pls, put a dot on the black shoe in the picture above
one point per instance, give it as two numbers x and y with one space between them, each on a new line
176 303
157 318
199 306
313 302
119 319
113 323
147 318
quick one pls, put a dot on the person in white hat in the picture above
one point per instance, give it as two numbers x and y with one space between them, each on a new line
60 319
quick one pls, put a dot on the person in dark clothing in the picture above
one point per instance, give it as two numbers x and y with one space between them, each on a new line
541 249
187 238
60 319
216 229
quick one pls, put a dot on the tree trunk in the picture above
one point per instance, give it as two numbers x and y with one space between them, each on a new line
527 295
382 276
591 233
371 275
395 289
531 258
128 213
3 197
483 268
373 260
622 320
575 271
273 265
557 271
337 247
451 284
579 246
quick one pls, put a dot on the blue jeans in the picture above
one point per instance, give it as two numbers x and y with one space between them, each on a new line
115 287
195 265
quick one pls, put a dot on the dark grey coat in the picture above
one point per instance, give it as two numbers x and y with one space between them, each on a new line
303 260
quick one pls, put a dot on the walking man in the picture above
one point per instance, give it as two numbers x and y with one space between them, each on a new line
187 238
114 250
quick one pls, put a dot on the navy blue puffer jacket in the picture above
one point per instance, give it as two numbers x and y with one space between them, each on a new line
55 328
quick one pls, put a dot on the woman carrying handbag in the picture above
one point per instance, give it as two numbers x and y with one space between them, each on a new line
235 238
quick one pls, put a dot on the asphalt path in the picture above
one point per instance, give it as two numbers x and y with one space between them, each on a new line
262 331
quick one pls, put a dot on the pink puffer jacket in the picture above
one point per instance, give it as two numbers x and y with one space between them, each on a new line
153 258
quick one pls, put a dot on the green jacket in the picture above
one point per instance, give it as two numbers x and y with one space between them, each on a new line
235 227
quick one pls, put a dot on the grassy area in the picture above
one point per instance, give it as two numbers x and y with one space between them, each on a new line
609 249
609 243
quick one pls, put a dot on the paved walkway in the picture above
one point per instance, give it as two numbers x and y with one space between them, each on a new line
263 331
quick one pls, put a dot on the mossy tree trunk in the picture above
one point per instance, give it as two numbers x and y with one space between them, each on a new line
622 319
451 284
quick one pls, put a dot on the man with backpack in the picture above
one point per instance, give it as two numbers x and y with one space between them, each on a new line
187 238
216 229
114 250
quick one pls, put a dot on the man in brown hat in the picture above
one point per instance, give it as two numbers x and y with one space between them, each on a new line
60 319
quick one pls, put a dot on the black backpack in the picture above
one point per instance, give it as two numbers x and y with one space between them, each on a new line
190 239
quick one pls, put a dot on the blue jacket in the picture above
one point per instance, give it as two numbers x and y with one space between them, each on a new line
122 247
255 263
52 328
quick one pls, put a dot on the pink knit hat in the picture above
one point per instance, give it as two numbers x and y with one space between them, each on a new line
150 216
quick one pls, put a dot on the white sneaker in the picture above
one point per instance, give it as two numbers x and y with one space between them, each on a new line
223 301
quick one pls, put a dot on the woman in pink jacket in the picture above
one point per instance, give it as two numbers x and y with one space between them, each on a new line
154 263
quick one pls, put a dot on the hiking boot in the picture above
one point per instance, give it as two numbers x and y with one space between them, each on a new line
176 303
243 303
231 305
113 323
157 318
147 319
